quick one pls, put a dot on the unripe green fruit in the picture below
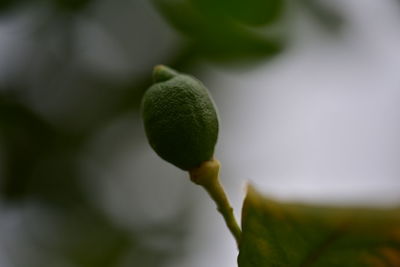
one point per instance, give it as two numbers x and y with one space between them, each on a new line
180 119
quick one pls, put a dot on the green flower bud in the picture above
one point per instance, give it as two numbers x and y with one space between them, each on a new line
180 118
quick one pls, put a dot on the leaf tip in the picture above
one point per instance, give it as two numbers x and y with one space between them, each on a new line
251 193
253 198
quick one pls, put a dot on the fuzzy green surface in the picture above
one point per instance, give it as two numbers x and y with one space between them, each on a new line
282 234
180 121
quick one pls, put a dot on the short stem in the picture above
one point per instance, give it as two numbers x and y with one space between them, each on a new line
207 175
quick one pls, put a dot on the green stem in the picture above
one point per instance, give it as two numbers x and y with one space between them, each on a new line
207 175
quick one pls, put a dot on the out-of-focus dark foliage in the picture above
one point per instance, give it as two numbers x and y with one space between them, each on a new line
38 156
252 12
51 107
61 5
6 4
71 5
220 29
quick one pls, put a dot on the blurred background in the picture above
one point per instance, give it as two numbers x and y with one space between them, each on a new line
308 93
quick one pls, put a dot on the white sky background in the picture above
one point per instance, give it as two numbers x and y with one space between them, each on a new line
322 119
319 123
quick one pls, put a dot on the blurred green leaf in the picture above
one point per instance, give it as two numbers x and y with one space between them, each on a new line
277 234
252 12
256 12
6 5
71 5
212 31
